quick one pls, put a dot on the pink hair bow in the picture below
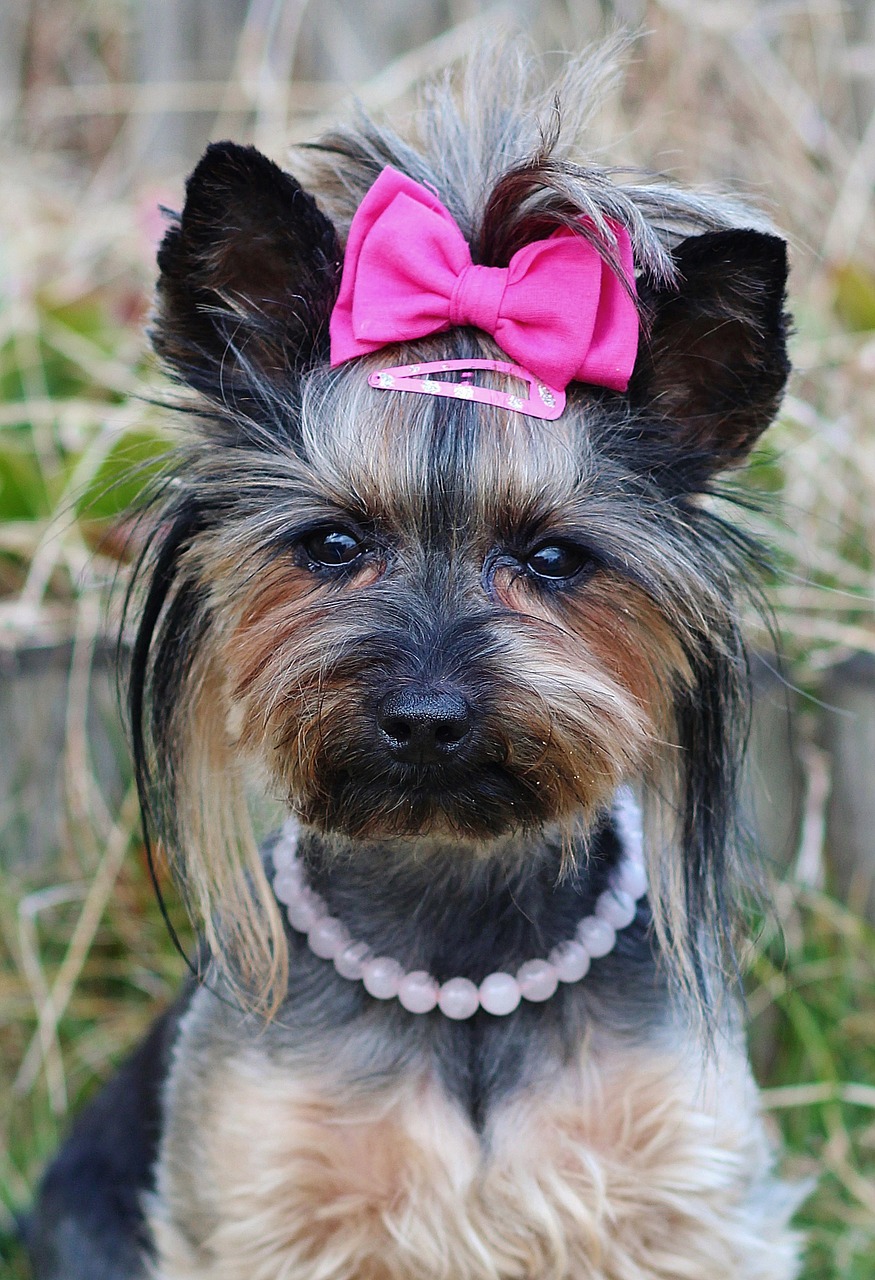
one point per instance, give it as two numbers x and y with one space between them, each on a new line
557 309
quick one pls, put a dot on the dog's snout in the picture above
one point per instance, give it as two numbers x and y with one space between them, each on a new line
424 726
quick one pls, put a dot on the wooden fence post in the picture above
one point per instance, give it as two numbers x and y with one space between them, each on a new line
848 727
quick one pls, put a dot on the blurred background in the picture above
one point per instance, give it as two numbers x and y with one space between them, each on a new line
105 105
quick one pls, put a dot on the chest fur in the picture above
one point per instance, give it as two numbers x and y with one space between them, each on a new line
624 1167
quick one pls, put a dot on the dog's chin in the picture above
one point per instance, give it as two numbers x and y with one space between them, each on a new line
475 806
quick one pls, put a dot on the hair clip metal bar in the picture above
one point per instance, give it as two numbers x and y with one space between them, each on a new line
542 401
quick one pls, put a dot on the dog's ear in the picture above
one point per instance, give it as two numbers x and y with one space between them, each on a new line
713 362
249 274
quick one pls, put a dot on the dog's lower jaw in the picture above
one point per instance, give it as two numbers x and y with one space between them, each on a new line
628 1160
443 855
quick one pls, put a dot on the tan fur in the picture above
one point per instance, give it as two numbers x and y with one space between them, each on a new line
223 863
640 1166
605 666
629 636
609 626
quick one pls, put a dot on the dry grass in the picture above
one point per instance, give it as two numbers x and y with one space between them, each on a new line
777 99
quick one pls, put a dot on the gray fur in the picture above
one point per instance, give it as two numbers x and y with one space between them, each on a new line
505 113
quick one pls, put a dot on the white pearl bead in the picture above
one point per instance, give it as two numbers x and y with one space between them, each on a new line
459 999
418 992
570 960
500 994
283 855
627 815
596 935
538 980
630 877
288 883
350 962
617 907
382 977
327 937
304 910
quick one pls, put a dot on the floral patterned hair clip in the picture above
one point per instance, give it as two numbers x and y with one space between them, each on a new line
542 400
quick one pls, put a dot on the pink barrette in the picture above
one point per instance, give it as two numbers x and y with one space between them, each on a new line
542 401
557 310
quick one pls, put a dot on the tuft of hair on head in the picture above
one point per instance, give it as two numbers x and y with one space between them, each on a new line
249 275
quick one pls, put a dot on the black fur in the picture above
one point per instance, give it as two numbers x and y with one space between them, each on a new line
714 364
249 274
87 1222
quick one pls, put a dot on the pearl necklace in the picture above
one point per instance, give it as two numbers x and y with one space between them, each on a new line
459 998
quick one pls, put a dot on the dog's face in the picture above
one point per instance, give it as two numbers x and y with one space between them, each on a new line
427 617
435 618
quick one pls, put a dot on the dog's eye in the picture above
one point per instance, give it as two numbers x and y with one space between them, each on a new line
333 547
555 560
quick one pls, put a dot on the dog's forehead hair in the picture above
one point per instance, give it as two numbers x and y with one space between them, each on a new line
429 465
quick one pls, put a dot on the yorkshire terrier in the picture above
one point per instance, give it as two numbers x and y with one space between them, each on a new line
443 567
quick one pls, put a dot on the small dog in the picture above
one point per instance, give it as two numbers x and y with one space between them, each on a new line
441 567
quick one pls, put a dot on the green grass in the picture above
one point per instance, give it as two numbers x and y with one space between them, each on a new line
123 972
812 1005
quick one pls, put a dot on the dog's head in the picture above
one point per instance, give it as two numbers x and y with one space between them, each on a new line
427 617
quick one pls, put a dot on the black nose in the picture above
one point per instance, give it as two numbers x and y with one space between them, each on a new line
424 726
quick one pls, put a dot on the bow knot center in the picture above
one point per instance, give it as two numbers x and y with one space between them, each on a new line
477 297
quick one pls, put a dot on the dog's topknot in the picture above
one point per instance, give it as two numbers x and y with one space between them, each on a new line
509 149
